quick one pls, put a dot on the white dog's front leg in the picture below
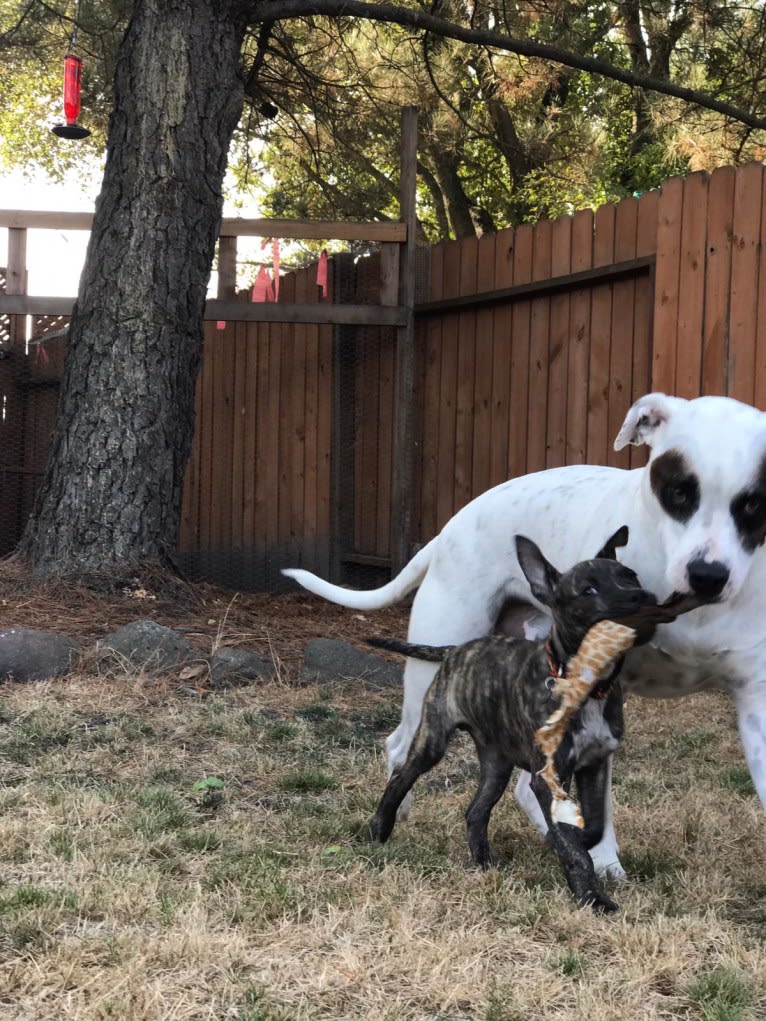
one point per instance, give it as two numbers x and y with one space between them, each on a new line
606 853
527 799
417 679
751 716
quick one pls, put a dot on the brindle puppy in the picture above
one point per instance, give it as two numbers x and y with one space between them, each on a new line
499 690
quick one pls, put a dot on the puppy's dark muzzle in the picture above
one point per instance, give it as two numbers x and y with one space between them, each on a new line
641 613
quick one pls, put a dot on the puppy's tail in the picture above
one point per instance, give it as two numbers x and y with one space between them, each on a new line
408 578
431 653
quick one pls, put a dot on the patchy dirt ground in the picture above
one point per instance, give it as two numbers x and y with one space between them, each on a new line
200 855
274 625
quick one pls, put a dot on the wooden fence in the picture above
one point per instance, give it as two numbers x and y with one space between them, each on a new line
535 341
530 345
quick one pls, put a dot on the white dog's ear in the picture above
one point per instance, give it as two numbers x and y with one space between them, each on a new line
644 418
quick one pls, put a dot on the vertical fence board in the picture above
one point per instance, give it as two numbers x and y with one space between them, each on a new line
268 422
748 189
324 429
501 330
466 374
481 474
239 398
311 409
558 346
539 335
206 439
715 330
297 398
432 366
600 340
643 317
579 342
285 426
248 419
623 323
691 286
666 285
222 462
445 505
518 423
386 341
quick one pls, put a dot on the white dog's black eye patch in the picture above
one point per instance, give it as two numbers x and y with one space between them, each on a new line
749 512
676 487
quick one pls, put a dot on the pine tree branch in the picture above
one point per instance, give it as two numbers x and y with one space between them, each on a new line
280 10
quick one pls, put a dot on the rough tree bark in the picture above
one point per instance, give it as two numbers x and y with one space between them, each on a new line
111 494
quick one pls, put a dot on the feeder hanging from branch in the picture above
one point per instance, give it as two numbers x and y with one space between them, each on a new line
72 86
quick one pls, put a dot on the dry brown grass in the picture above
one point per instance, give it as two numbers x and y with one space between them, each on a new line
125 892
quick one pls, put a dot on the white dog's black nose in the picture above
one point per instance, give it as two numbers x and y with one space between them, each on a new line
707 579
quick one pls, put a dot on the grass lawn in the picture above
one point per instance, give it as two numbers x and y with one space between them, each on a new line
169 853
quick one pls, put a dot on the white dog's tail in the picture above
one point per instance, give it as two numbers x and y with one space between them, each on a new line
373 599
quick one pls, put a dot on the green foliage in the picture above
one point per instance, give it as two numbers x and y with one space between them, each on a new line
738 779
721 995
307 781
34 38
503 139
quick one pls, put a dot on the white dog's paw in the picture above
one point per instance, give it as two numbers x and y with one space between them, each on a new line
608 867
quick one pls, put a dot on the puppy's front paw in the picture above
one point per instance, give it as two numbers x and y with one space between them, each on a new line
598 901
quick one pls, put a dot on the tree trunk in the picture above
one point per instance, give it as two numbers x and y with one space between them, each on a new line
445 165
111 493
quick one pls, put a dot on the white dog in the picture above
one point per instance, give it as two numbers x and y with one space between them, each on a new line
697 520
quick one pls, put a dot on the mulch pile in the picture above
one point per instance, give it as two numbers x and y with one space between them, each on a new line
275 625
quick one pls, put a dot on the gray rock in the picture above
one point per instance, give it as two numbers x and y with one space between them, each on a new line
144 644
231 665
328 659
27 654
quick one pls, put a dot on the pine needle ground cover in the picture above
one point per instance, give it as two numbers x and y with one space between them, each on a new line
170 852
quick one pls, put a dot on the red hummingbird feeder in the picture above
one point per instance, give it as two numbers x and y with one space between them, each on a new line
72 87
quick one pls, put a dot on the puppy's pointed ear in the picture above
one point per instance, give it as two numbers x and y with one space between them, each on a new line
609 550
645 418
542 576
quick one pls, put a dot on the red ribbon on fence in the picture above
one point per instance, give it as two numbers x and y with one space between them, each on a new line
263 288
322 272
266 285
275 262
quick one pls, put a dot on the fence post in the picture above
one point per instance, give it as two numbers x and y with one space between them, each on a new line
16 283
402 493
227 267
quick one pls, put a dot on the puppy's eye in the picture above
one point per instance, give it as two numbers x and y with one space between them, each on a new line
590 590
752 507
679 495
